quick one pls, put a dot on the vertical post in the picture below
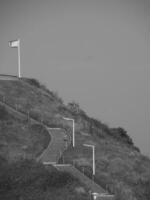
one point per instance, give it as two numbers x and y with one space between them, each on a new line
73 127
19 70
93 160
93 157
73 134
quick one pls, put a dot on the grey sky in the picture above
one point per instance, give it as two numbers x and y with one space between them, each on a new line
96 52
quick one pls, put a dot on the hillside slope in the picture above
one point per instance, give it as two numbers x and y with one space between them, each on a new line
120 167
29 180
19 138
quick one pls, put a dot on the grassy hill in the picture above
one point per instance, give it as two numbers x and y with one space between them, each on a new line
120 167
20 138
29 180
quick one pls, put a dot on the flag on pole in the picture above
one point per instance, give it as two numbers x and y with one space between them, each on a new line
14 43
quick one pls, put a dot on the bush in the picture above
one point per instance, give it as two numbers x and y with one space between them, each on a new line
29 176
3 113
121 135
20 174
123 193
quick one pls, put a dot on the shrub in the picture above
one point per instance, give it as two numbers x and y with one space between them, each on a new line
121 135
3 113
74 107
122 192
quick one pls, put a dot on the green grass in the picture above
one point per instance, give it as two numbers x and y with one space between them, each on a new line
30 97
20 138
26 179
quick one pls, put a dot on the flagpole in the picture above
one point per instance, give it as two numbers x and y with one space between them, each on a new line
19 69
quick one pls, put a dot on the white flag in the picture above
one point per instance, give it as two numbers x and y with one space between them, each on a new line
14 43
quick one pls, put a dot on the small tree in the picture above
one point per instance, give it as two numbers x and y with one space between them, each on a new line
74 107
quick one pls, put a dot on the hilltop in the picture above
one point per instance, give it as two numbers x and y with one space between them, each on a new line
120 167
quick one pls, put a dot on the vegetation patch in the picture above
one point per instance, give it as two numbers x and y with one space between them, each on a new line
18 139
26 179
120 167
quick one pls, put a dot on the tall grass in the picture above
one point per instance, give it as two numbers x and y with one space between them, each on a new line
26 179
